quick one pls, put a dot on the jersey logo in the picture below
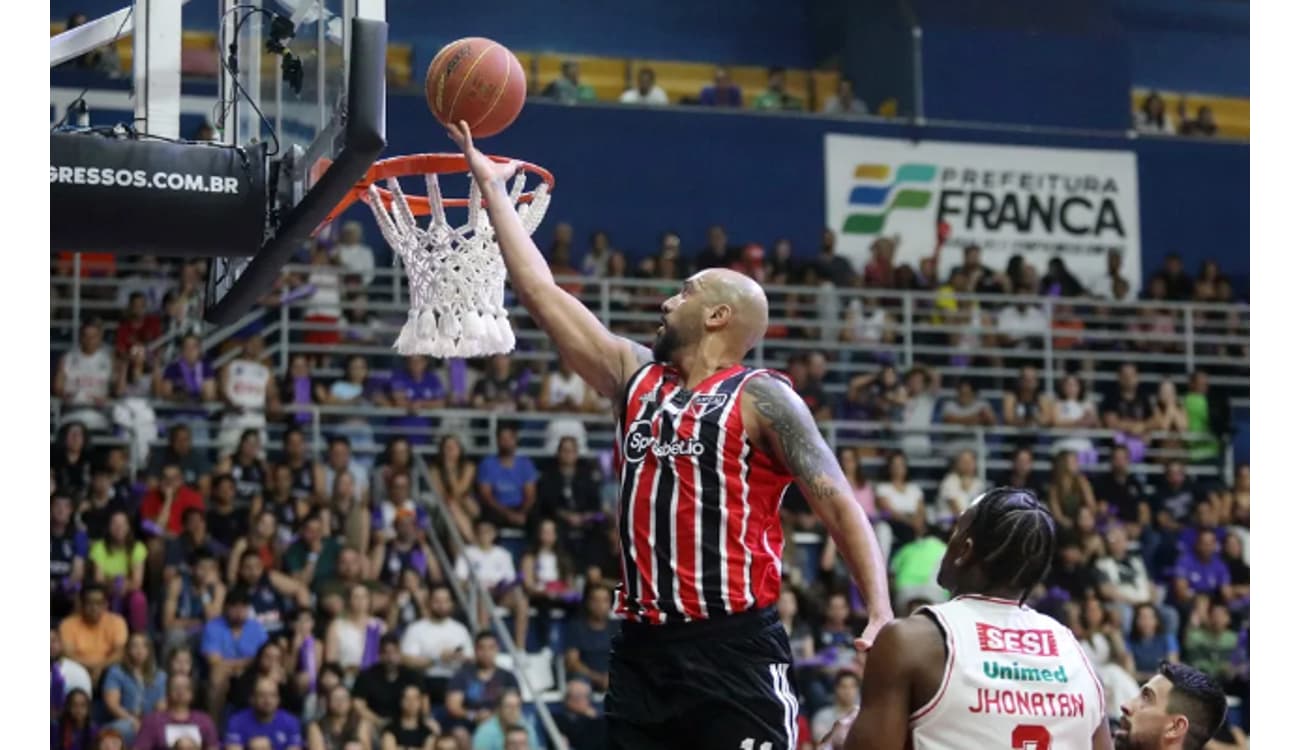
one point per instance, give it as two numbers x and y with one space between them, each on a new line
638 441
1007 641
705 404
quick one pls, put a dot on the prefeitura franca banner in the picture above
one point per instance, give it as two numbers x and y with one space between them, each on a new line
1034 202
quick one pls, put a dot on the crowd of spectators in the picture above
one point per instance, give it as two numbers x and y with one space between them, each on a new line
242 586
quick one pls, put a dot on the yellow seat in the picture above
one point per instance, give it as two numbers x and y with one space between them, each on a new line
400 64
825 85
1231 113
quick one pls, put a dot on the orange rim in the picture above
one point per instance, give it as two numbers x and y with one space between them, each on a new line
420 164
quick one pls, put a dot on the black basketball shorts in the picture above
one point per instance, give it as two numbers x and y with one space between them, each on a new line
720 684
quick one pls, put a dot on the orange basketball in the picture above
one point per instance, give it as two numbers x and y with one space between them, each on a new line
478 81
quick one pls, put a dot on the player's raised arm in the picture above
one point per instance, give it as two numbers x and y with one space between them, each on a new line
602 359
786 427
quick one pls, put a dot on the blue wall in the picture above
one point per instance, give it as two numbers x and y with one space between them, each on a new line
637 172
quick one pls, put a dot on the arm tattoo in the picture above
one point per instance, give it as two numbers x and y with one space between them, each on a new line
806 455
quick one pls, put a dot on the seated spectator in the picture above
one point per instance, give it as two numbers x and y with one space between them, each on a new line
796 630
1072 410
333 595
1103 643
70 459
101 502
966 410
476 689
133 688
229 644
1203 125
1128 411
73 730
848 687
350 518
190 381
1069 490
419 390
491 734
339 461
1172 502
569 491
646 90
579 721
845 102
165 506
164 729
383 517
1238 570
498 390
137 326
1167 412
1200 572
328 677
354 255
411 729
395 460
858 473
835 650
1020 324
94 637
913 572
959 487
192 599
723 93
378 692
1207 417
548 571
494 569
406 550
307 474
261 540
587 641
901 502
264 719
353 638
563 390
1123 582
1150 643
568 89
1058 281
83 378
343 724
1122 494
437 644
68 550
297 388
269 664
247 388
313 559
1026 406
507 482
1022 474
1210 643
249 469
65 674
1071 574
1205 517
1152 118
193 538
180 451
775 97
225 521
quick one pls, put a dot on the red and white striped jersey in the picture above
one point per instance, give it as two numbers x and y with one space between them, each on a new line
698 506
1014 679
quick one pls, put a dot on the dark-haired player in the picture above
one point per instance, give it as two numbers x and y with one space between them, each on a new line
983 670
1179 708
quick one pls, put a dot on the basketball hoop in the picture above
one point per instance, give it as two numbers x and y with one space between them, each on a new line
456 273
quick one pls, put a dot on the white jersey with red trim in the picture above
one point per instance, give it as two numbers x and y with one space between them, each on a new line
1014 679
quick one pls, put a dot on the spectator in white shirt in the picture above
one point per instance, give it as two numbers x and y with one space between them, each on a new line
645 91
438 644
354 254
918 410
844 103
901 501
958 488
84 377
1021 325
494 569
847 689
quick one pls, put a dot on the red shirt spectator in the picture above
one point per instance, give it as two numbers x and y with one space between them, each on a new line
751 262
879 272
173 494
137 327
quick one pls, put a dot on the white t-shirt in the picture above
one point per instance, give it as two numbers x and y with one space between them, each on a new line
86 377
1019 324
359 260
903 502
75 677
326 300
633 95
491 567
918 413
951 488
246 383
429 639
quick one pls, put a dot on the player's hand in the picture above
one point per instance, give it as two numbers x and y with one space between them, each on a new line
875 623
486 172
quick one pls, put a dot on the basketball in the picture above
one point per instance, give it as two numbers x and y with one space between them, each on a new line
478 81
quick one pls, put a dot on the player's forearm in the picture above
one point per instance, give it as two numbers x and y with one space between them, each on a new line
849 527
529 273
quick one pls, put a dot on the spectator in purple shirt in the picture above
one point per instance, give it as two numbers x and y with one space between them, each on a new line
190 380
416 388
723 93
161 730
264 719
1201 572
1205 518
297 389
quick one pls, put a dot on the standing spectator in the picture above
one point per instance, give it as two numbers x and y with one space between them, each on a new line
723 93
353 640
297 389
133 688
1069 490
342 725
1204 413
959 487
410 729
163 729
1152 118
716 252
437 644
568 88
190 381
354 254
578 720
453 482
507 482
476 689
418 390
378 690
93 637
646 90
830 265
66 675
494 569
264 719
74 729
137 326
922 386
83 378
1128 412
118 563
901 502
165 506
588 639
1122 494
1201 571
69 547
845 102
1026 406
1072 410
323 309
229 644
847 688
775 97
1150 643
491 734
248 391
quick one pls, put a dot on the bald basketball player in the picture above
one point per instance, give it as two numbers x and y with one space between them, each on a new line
708 448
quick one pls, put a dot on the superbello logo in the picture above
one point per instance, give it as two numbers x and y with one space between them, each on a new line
640 440
872 202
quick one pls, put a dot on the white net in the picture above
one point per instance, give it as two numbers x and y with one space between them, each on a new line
456 274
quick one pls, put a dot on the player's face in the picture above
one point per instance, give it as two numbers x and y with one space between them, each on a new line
1145 721
678 329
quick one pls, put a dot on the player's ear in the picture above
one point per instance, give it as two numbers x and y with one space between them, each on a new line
718 316
966 548
1177 727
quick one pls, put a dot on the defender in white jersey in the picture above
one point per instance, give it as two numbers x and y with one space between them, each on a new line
983 671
